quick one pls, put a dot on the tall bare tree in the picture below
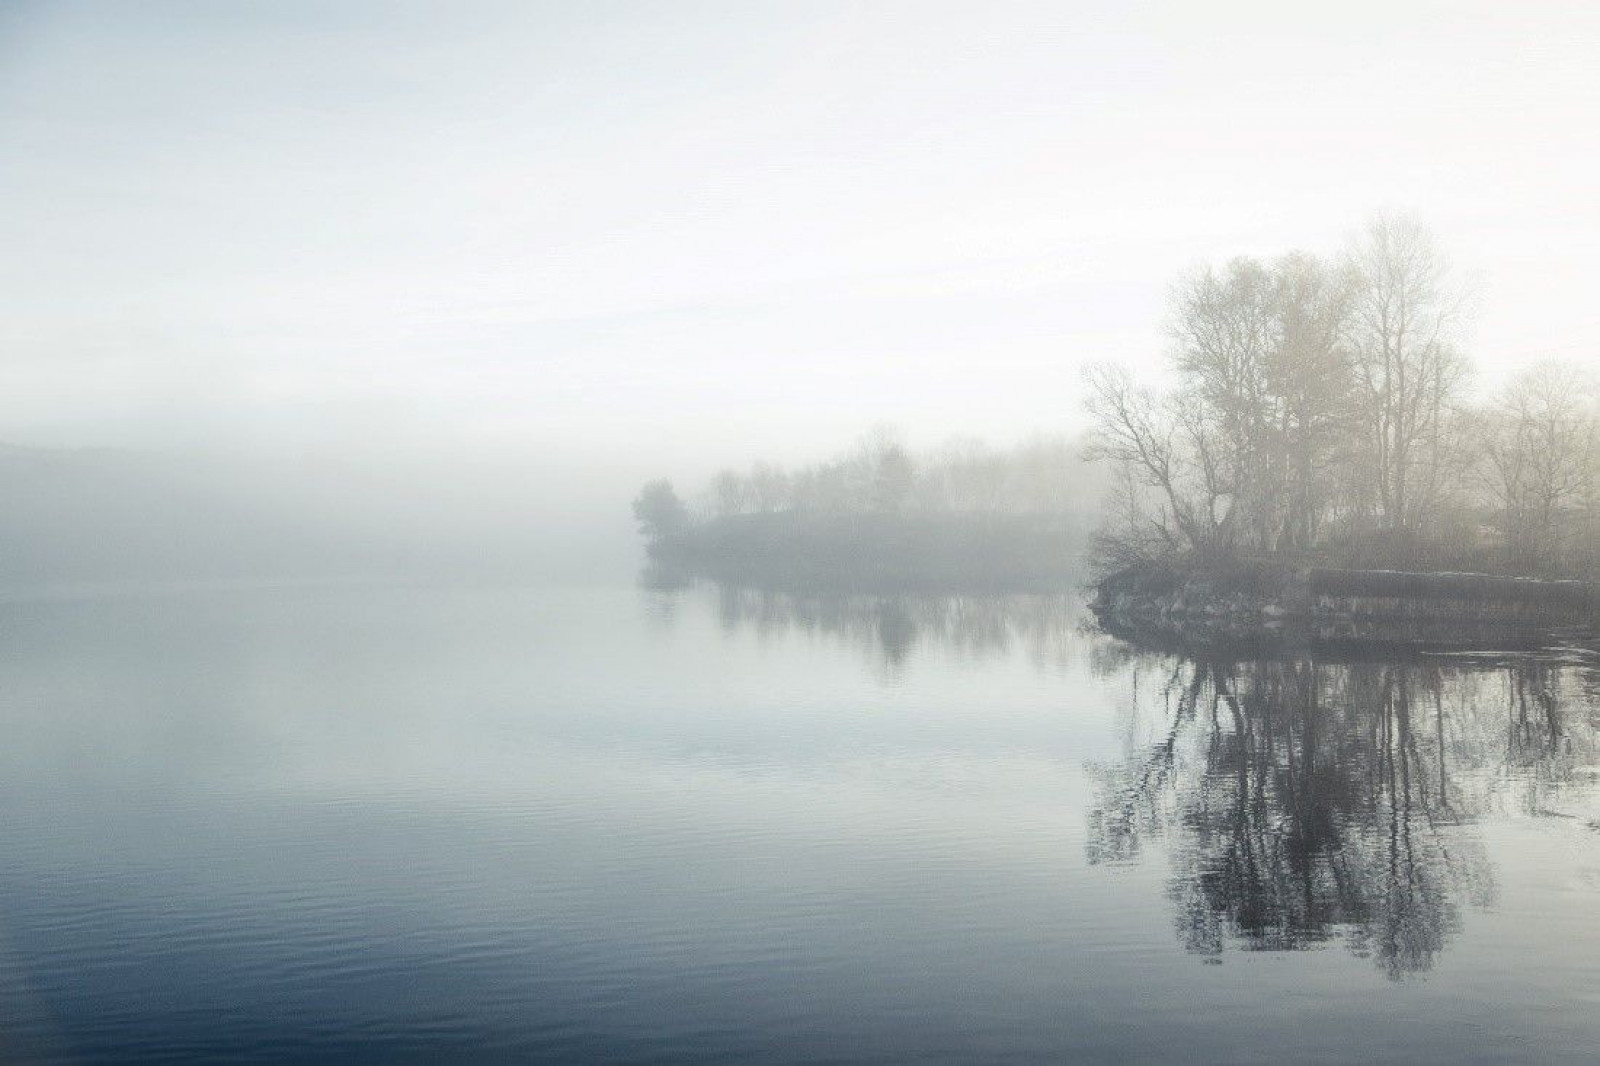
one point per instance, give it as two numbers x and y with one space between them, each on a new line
1170 449
1409 372
1262 352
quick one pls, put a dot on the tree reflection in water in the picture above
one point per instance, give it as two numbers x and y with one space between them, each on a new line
1304 799
1048 629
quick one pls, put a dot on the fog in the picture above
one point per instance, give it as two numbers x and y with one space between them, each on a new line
451 281
787 531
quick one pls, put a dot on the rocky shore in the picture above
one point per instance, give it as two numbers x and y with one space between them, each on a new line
1238 600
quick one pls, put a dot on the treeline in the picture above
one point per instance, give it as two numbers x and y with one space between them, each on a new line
1320 408
963 516
881 476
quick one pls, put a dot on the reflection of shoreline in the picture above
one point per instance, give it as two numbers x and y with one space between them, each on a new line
1312 791
891 625
1383 641
1304 801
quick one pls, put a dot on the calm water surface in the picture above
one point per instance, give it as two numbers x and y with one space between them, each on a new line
416 824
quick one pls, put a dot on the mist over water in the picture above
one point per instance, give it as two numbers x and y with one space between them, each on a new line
402 822
725 532
77 517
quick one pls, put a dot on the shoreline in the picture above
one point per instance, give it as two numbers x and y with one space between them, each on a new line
1268 600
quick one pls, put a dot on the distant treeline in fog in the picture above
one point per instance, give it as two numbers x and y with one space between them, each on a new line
963 512
1320 409
881 475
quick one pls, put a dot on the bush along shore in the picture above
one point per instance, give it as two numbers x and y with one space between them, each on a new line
1235 599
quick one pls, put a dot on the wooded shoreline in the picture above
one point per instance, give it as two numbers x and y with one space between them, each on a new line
978 552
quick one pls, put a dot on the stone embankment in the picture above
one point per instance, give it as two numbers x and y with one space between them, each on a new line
1243 598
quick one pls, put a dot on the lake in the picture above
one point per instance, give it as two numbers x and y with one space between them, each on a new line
393 823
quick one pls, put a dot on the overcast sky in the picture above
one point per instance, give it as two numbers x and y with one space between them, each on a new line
667 234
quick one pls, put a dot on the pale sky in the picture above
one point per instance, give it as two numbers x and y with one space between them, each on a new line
675 234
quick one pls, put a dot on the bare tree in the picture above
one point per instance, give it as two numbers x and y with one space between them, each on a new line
1311 380
1263 355
731 493
1239 454
887 470
1169 451
1128 535
1223 329
1409 373
770 488
1314 401
1539 461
